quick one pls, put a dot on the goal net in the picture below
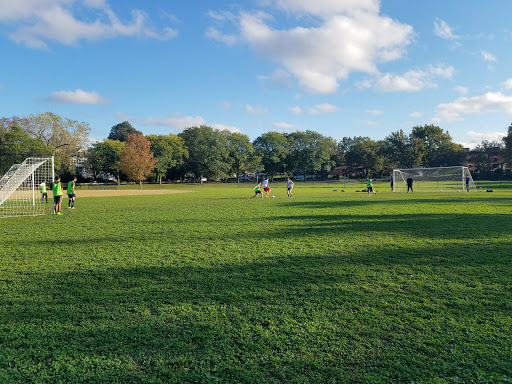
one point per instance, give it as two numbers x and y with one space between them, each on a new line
22 187
434 179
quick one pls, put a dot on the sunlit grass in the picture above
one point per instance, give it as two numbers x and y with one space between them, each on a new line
212 286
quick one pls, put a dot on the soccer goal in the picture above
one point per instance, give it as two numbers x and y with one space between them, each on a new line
434 179
22 187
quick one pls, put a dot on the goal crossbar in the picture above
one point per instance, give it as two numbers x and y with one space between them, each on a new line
435 178
5 178
20 185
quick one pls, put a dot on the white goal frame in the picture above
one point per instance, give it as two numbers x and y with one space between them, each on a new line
434 179
20 188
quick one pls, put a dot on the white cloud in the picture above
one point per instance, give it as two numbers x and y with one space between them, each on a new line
443 30
38 22
478 137
416 115
77 97
411 81
414 80
321 109
177 122
255 110
487 103
374 112
284 126
222 127
364 84
95 3
215 34
444 71
278 79
462 90
351 36
508 84
296 110
488 56
327 7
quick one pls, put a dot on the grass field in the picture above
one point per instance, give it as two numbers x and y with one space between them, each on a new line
210 286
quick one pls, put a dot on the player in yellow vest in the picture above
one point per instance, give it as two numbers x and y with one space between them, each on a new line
71 193
57 195
369 187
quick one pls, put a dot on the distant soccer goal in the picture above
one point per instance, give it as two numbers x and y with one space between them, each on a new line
434 179
22 188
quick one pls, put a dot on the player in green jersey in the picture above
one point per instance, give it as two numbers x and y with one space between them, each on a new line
257 190
369 187
71 193
57 195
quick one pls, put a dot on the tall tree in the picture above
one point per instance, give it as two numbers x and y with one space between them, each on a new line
121 131
137 160
402 151
208 152
486 157
342 149
241 153
364 155
507 150
105 157
169 151
273 149
65 136
440 150
308 152
16 145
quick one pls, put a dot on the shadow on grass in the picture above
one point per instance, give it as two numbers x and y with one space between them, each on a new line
406 200
424 227
376 314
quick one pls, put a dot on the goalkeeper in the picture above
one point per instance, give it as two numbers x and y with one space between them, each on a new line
409 184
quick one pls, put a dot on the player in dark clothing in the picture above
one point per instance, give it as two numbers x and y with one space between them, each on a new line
409 184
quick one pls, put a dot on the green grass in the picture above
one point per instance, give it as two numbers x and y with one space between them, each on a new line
213 287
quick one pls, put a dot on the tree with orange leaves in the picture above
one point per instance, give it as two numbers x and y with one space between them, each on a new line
137 159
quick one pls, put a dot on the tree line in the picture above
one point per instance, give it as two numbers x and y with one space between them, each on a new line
203 152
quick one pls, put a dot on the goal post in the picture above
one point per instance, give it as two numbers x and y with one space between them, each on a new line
457 178
21 188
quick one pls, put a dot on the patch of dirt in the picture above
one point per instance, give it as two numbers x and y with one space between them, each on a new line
125 192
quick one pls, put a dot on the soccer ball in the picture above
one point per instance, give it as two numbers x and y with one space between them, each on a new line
273 196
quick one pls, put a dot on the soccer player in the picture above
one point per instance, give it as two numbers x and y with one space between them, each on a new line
289 188
57 195
391 182
467 183
257 190
266 187
369 187
409 184
44 193
71 193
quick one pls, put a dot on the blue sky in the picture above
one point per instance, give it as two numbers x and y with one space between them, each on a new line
338 67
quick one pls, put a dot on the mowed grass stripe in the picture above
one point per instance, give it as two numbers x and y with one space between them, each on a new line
213 286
